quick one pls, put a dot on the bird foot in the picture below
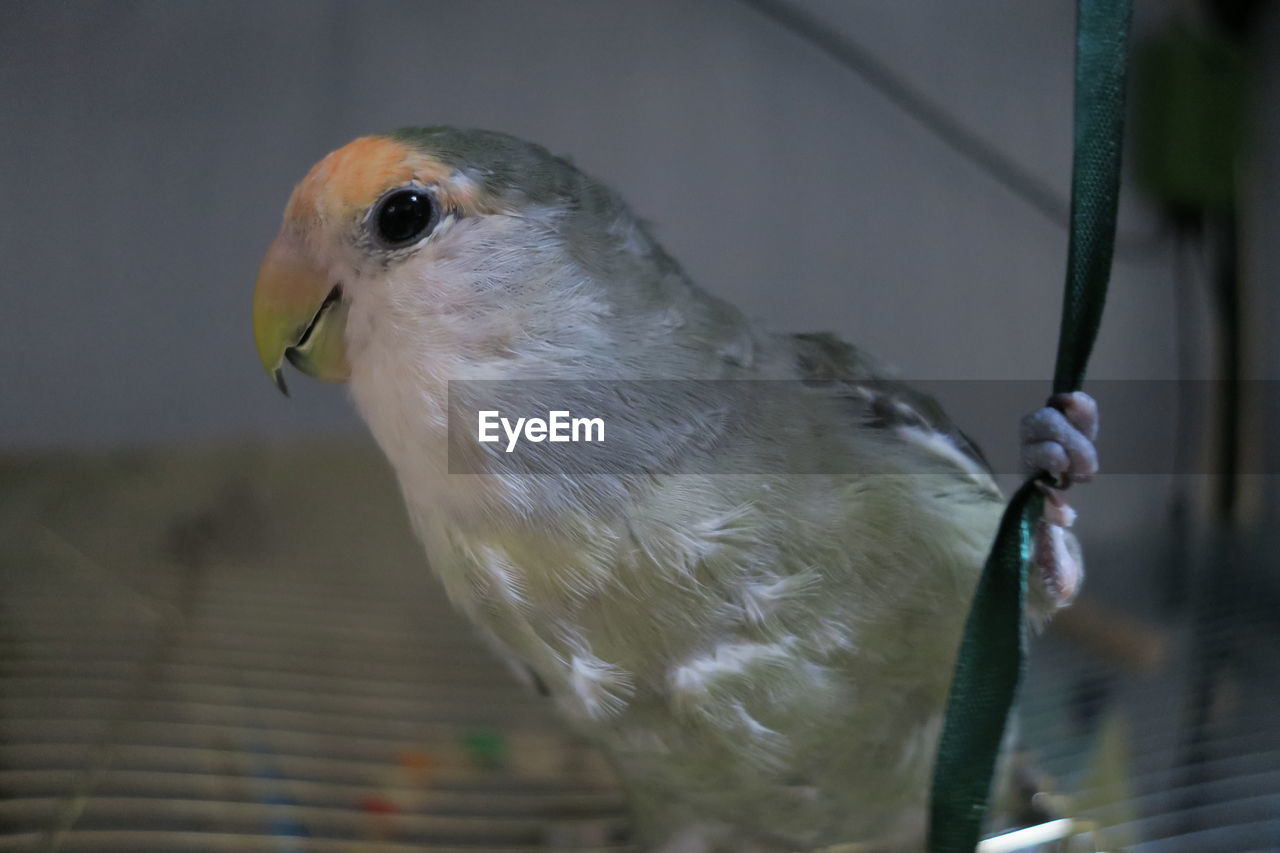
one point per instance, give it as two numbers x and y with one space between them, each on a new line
1058 439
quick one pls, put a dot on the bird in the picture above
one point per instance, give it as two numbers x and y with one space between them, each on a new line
752 600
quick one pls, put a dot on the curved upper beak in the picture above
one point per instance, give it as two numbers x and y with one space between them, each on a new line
300 315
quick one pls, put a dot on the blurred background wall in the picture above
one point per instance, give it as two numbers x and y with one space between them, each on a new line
149 148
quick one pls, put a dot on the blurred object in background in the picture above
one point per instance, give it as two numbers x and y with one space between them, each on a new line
1198 154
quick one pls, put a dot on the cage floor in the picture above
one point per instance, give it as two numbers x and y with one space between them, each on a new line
241 650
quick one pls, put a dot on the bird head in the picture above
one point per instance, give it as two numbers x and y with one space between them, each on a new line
483 243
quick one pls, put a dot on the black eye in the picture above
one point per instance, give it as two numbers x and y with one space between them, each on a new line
404 216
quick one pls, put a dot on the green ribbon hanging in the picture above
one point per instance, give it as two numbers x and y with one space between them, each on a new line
992 655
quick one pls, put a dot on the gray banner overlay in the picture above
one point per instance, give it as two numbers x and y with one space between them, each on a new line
653 427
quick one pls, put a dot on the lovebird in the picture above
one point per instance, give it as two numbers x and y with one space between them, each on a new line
754 608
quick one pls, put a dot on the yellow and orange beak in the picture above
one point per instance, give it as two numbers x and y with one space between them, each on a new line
299 315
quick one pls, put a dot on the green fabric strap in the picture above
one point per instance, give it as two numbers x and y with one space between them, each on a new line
992 654
1102 40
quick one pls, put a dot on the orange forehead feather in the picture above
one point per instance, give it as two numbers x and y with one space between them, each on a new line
350 179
